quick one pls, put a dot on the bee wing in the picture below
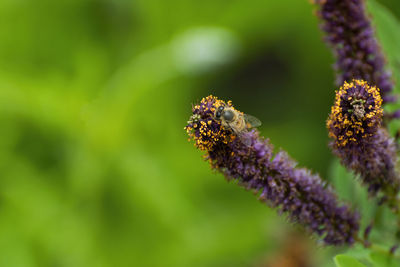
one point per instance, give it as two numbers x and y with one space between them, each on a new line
251 121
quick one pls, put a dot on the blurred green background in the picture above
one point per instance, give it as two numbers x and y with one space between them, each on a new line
95 165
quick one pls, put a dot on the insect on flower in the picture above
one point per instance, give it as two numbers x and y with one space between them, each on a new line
235 120
274 177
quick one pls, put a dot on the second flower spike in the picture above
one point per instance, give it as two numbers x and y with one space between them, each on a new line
358 139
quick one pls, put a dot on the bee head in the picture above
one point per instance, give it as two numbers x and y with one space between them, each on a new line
228 115
219 112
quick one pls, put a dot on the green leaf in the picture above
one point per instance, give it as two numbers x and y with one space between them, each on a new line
342 180
349 189
388 32
358 251
342 260
383 259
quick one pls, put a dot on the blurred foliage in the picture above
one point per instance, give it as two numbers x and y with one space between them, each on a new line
94 95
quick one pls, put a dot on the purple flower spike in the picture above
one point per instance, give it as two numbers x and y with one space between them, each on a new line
359 140
351 36
249 159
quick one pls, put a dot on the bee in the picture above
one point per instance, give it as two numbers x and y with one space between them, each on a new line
234 120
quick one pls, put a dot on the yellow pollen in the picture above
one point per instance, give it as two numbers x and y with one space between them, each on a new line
343 127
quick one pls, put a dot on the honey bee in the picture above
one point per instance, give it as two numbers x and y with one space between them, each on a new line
234 120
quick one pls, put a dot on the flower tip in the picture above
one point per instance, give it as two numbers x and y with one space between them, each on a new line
202 126
356 114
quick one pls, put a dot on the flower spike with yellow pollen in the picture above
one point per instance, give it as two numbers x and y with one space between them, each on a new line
358 138
356 113
203 128
249 159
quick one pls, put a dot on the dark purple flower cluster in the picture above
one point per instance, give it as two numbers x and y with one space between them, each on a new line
249 159
351 36
359 140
